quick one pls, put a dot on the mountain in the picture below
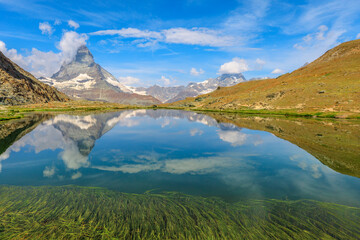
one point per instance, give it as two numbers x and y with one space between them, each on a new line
330 83
83 78
20 87
173 94
164 94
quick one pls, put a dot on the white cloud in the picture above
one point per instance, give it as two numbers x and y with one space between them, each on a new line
38 63
313 38
13 55
73 24
320 34
277 71
72 157
76 175
197 36
236 138
43 63
70 43
130 33
307 38
195 72
49 172
46 63
129 81
260 61
194 36
259 64
201 165
358 36
46 28
312 46
165 81
237 65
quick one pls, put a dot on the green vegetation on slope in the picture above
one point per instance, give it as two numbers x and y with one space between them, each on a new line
330 83
78 213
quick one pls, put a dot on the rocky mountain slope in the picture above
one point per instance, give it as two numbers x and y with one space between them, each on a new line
173 94
330 83
85 79
20 87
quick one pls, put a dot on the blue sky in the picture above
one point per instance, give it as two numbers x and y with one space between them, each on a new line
163 42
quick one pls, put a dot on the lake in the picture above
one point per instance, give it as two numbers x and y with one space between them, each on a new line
218 156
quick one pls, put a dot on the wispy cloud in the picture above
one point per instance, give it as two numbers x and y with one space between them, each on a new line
194 36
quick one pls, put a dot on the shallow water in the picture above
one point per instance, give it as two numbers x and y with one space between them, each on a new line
135 151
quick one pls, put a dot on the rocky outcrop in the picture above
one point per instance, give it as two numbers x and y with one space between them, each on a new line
20 87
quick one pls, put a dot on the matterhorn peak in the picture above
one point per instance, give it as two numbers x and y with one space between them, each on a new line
84 78
84 56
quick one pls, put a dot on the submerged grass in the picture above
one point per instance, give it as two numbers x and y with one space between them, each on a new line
77 213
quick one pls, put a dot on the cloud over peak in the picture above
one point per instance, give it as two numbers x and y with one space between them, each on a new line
237 65
41 63
70 43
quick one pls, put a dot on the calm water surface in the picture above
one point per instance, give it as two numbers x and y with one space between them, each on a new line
166 150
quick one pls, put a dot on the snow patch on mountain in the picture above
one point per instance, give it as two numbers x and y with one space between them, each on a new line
81 82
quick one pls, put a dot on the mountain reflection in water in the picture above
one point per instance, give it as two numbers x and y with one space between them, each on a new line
170 150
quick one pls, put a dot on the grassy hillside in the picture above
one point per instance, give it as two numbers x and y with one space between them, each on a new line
83 213
330 83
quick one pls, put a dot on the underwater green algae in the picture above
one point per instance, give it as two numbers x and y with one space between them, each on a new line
71 212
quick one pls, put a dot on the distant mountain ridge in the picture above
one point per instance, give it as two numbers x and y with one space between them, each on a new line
331 83
173 94
84 78
20 87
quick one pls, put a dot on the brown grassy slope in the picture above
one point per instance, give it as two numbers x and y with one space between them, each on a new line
335 143
330 83
20 87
